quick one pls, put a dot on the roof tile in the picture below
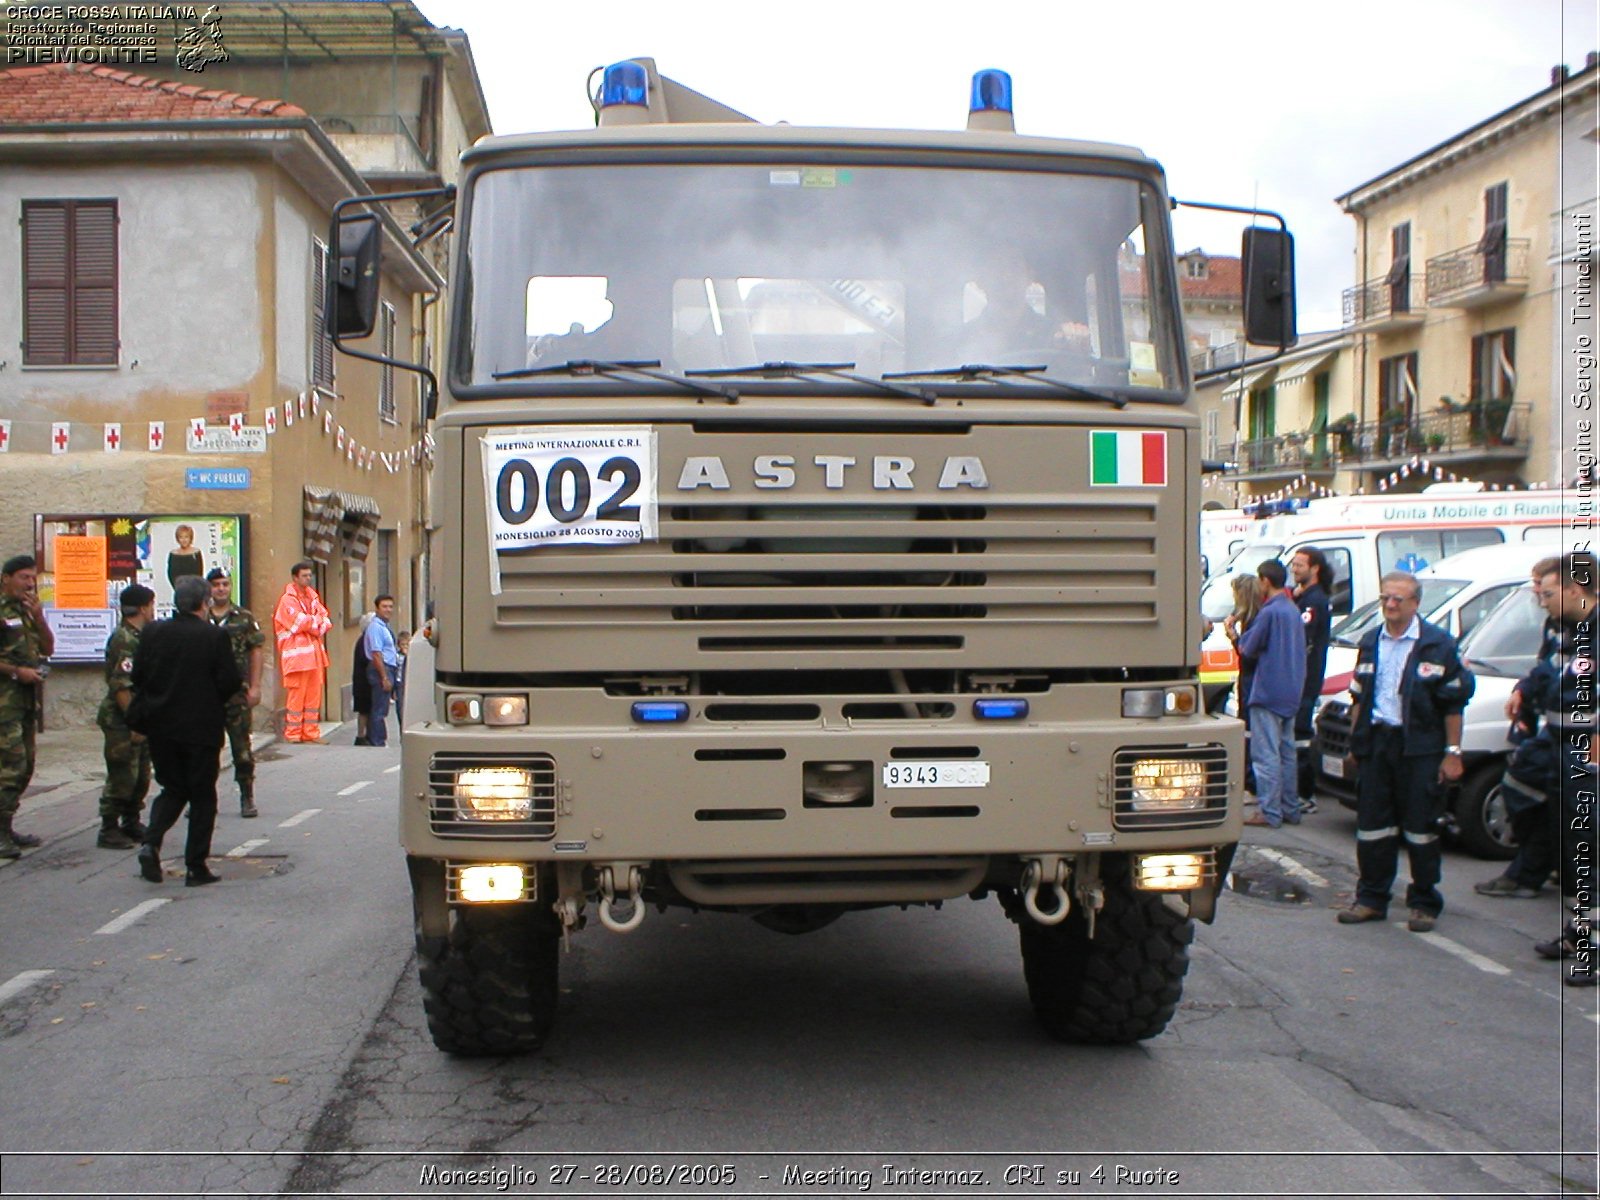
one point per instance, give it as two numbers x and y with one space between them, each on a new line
77 93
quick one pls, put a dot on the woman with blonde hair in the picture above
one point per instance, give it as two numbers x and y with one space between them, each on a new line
1246 604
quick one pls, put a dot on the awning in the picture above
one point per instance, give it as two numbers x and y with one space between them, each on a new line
1248 382
1305 367
333 518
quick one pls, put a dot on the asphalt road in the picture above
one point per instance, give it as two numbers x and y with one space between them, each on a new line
265 1036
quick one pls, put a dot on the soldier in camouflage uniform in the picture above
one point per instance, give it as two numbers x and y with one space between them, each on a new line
247 640
127 752
25 642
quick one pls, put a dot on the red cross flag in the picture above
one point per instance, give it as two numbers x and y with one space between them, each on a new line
327 422
338 438
197 430
316 403
288 412
158 435
236 424
272 420
5 437
113 436
60 436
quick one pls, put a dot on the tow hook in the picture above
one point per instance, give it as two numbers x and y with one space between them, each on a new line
633 899
1053 868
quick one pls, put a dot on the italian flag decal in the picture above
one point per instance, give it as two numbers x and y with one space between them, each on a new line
1127 458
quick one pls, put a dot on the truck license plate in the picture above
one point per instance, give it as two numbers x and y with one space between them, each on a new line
1333 765
936 774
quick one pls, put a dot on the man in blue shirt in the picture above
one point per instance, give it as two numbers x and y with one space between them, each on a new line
1276 639
383 661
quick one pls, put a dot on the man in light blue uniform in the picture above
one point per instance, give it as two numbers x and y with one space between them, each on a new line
383 663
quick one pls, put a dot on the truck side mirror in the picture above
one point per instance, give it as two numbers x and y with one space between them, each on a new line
353 282
1269 316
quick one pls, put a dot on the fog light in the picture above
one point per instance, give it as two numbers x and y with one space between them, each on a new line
490 883
505 710
1167 785
494 794
1169 872
464 709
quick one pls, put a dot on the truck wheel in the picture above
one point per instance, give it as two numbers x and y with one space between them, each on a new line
1121 986
1482 825
489 987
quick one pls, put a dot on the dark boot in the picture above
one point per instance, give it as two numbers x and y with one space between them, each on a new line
133 827
112 838
150 863
9 846
247 799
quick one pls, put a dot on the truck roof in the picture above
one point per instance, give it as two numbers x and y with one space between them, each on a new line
787 138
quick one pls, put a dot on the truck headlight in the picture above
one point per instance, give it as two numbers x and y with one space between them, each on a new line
494 794
1167 785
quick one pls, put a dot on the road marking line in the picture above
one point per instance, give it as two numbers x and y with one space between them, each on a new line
392 770
306 815
356 787
18 984
1460 951
133 914
244 848
1292 866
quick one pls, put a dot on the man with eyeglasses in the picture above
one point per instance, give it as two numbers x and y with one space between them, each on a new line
1407 695
1566 700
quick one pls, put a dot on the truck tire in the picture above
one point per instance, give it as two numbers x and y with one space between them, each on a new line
1121 986
489 987
1482 825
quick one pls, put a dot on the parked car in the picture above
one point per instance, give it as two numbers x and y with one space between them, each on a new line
1499 649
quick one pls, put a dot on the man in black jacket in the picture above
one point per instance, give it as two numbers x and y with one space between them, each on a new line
1313 579
183 676
1408 691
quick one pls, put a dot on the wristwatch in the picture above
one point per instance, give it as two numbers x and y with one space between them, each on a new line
1456 750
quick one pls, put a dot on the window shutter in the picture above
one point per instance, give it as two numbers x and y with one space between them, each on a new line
321 343
94 282
44 272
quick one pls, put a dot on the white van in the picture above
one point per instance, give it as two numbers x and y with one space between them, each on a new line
1456 594
1364 537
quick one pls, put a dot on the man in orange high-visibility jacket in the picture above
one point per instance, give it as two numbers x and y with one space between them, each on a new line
301 620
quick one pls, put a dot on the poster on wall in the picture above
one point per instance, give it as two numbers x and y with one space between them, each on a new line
85 560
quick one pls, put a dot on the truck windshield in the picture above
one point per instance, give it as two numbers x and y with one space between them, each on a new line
885 268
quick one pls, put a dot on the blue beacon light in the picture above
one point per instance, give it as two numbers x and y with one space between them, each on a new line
658 712
991 91
625 83
999 709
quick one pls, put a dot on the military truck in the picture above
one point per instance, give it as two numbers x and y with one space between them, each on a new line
812 531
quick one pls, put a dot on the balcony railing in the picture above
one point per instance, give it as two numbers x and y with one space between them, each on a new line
376 144
1482 429
1476 274
1379 304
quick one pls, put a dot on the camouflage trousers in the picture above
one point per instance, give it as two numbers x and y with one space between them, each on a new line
236 719
127 775
16 761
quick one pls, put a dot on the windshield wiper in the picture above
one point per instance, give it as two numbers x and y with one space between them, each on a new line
621 370
990 372
794 370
